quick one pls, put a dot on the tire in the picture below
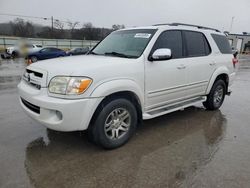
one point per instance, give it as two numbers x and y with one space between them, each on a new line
216 96
14 54
114 124
33 59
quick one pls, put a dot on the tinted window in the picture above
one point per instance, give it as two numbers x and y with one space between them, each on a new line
77 49
196 44
54 50
45 50
222 43
171 40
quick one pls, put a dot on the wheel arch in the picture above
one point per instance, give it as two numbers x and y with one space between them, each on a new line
132 97
118 86
111 90
221 73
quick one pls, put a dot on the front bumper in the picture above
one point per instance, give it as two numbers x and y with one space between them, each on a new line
54 113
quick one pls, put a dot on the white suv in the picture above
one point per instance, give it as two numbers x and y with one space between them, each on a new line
132 75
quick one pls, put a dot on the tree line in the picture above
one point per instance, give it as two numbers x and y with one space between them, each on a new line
60 30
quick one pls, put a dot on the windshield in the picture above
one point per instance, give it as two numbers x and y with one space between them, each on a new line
125 43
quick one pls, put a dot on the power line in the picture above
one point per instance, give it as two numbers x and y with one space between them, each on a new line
35 17
18 15
52 19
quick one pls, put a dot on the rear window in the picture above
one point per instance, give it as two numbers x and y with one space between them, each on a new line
196 44
222 43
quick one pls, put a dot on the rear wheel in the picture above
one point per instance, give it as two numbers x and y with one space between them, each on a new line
115 124
216 96
14 54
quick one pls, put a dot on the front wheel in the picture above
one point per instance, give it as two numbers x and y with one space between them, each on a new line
216 96
115 124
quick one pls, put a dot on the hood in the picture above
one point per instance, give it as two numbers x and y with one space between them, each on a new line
85 65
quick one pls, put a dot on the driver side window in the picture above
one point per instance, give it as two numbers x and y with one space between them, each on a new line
45 50
172 40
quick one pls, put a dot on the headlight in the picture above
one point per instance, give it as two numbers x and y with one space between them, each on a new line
66 85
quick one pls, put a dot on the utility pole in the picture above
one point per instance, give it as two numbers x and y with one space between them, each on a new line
52 26
231 26
52 23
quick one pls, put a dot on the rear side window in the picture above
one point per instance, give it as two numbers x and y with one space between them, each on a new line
54 50
196 44
171 40
222 43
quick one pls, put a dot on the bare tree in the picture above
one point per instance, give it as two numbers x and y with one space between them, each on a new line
88 25
22 28
88 30
58 25
117 27
72 26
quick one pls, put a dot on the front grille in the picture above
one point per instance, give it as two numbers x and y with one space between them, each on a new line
30 106
33 78
37 74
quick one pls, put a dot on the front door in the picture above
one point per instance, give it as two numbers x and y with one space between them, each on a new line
165 81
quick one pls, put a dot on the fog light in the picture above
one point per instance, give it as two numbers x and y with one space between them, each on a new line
59 115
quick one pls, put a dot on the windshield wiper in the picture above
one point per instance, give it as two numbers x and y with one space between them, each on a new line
93 53
119 54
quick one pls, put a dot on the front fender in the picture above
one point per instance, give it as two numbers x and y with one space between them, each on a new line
217 72
114 86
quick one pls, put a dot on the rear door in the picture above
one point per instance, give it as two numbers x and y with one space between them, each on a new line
54 52
201 63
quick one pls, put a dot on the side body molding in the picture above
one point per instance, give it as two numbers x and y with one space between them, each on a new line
119 85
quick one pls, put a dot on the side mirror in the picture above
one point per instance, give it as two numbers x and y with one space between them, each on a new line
161 54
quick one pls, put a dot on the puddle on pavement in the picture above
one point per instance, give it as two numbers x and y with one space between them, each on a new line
10 72
165 151
169 151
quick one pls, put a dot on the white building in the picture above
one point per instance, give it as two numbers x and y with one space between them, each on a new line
241 42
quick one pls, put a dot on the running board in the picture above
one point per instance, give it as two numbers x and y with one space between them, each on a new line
172 108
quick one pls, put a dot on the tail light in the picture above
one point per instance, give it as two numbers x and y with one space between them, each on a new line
235 61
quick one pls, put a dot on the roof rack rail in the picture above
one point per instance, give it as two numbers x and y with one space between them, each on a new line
190 25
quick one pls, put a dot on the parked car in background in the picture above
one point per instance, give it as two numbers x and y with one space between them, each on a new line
23 49
78 51
46 53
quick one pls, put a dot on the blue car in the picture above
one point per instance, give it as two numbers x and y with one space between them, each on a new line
46 53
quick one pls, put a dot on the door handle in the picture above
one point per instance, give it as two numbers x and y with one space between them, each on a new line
181 67
212 64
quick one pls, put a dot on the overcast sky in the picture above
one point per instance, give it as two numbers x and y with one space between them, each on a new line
105 13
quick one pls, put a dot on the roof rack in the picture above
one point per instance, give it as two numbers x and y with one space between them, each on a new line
190 25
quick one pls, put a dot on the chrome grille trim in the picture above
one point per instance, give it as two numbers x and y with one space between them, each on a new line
33 78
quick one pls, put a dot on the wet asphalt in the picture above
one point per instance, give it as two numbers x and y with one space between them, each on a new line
190 148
